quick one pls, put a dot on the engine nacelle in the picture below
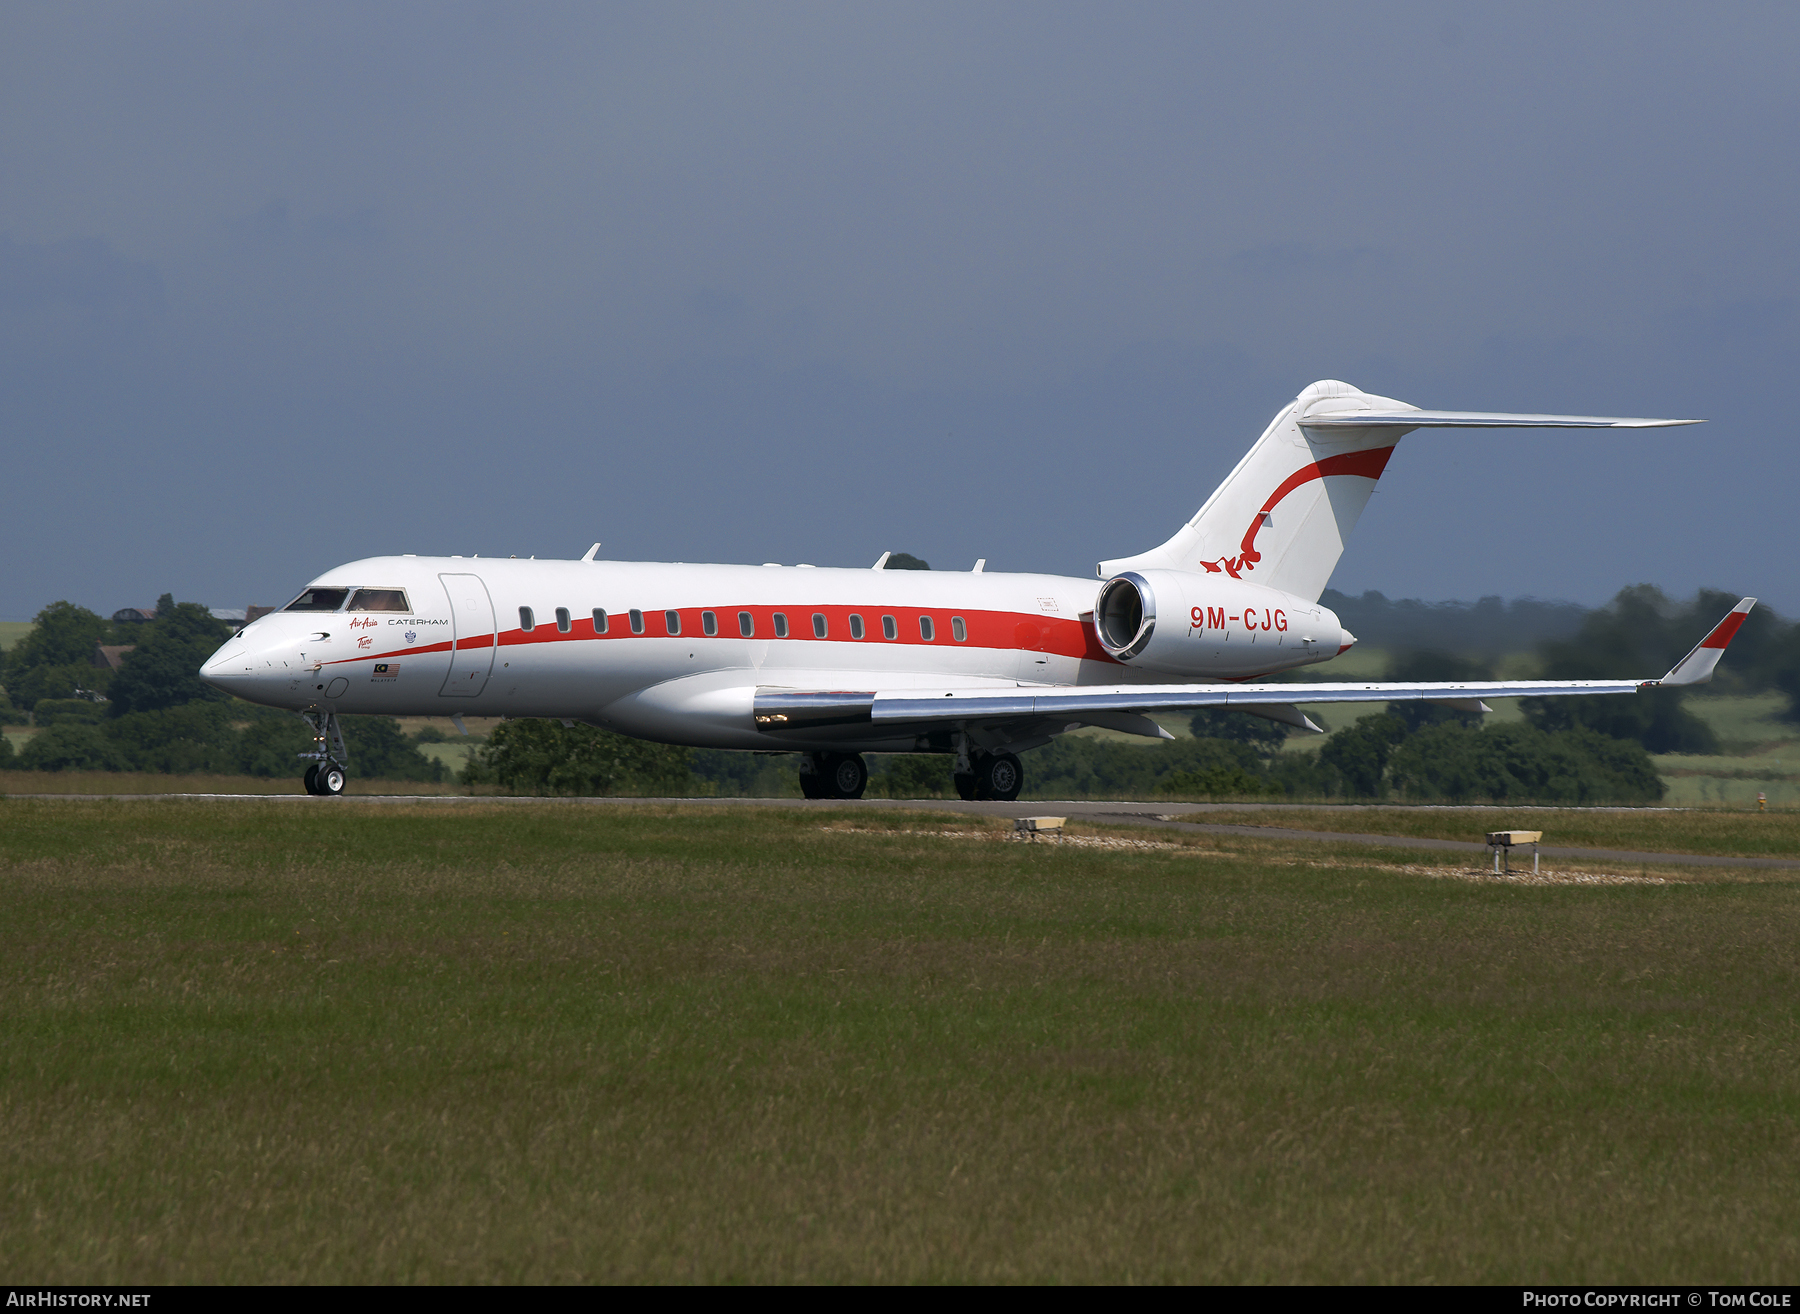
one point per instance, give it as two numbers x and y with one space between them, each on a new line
1194 625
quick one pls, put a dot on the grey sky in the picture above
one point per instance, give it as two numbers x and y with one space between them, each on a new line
286 285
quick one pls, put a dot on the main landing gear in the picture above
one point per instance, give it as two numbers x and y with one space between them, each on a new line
833 775
326 776
996 776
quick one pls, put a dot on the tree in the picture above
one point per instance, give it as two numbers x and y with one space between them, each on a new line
164 669
1218 780
1520 763
51 683
913 775
193 738
1264 735
65 635
1430 665
1788 681
1640 633
1079 766
56 658
1360 753
72 748
546 757
906 561
380 750
272 743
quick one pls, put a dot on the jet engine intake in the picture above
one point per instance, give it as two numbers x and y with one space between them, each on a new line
1184 623
1125 615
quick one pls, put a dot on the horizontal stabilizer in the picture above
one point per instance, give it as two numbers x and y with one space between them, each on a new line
1697 666
1476 420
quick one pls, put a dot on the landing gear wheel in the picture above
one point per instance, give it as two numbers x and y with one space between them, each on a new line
845 775
999 777
311 779
965 785
330 781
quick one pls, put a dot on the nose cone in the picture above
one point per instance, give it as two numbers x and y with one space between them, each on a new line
231 668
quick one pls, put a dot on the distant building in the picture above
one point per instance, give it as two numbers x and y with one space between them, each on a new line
134 615
257 613
109 655
235 615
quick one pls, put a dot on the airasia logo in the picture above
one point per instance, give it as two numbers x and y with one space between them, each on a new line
1214 618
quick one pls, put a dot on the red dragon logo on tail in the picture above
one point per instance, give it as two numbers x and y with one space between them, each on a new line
1368 465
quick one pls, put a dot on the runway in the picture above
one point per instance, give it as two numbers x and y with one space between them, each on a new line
1164 816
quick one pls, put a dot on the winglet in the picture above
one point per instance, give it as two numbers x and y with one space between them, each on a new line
1697 666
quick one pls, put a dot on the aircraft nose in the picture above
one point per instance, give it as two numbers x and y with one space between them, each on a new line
230 668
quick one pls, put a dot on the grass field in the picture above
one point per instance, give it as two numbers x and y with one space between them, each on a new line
1733 834
323 1042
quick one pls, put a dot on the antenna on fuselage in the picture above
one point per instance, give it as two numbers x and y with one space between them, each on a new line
980 566
589 554
881 561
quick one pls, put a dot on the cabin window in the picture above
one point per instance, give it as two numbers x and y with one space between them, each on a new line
889 630
781 625
746 624
856 630
709 623
319 600
819 630
599 620
926 632
379 600
527 621
958 630
637 621
563 623
673 620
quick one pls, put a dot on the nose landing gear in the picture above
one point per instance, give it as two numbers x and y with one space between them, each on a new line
326 776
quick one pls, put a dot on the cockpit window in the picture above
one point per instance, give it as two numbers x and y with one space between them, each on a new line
318 600
379 600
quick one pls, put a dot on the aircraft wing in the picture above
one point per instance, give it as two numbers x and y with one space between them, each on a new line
1126 706
1476 420
793 709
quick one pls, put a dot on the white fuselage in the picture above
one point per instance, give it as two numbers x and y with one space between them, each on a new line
676 652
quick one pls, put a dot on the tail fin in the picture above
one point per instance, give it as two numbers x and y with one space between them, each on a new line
1282 516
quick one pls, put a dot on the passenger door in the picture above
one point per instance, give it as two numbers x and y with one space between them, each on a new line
472 636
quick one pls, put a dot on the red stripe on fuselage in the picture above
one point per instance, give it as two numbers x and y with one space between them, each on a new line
1059 636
